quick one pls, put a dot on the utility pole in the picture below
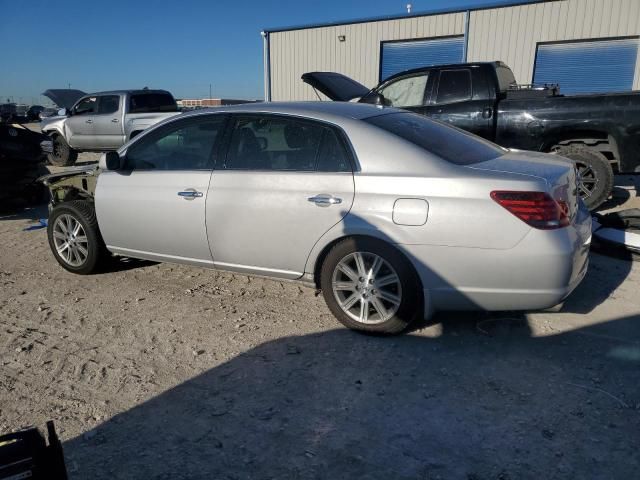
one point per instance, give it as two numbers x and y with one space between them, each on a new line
209 91
68 85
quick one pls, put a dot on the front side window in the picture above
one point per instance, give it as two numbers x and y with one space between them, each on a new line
185 145
284 144
86 106
454 86
406 92
108 104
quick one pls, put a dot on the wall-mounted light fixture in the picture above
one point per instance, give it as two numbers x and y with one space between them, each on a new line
341 38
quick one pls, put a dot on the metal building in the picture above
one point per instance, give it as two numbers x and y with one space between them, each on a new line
584 45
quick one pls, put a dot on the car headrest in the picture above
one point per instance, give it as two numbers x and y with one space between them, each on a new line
295 136
247 143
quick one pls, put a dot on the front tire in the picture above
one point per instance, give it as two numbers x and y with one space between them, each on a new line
370 286
74 237
596 175
63 155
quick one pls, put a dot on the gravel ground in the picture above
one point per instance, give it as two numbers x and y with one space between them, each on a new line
164 371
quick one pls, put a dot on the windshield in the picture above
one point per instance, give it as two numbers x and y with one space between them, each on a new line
447 142
152 102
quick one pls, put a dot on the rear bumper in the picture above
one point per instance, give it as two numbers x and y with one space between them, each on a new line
540 272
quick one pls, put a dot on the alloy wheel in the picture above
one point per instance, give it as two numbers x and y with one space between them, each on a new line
70 240
366 287
587 179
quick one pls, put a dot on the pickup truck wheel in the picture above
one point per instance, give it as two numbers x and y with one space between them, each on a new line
74 237
63 155
369 285
595 173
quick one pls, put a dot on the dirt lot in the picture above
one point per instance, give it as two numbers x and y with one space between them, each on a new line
163 371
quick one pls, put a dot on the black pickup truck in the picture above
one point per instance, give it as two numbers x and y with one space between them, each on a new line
598 131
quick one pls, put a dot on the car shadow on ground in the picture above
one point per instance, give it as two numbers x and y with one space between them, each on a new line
338 404
605 274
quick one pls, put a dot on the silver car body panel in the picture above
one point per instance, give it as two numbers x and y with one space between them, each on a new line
470 253
265 222
140 214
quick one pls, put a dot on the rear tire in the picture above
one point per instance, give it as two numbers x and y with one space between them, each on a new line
370 286
74 237
596 175
63 155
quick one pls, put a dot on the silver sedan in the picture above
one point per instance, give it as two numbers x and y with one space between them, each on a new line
392 215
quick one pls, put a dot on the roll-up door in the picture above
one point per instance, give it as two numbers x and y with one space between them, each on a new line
587 66
400 56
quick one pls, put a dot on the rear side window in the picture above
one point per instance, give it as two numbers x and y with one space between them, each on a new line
506 79
108 104
454 86
332 156
152 102
284 144
447 142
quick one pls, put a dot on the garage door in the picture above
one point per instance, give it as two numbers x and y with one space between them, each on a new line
587 67
400 56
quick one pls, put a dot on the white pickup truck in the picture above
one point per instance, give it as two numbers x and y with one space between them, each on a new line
103 121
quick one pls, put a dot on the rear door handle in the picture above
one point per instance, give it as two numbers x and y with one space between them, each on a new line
190 194
115 120
89 121
325 200
487 112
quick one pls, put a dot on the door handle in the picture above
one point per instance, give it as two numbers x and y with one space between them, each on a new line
89 121
190 194
324 200
487 112
114 120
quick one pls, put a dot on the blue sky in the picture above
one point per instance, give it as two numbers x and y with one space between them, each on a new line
179 45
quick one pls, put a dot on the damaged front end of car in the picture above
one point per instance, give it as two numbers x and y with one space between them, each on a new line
76 183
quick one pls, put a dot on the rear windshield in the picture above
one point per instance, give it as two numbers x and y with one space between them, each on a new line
447 142
506 80
152 102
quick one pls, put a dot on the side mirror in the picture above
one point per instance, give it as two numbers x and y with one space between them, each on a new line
63 112
375 98
112 161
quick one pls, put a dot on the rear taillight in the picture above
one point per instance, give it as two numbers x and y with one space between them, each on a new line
537 209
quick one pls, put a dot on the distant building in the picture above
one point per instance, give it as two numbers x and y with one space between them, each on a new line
586 46
208 102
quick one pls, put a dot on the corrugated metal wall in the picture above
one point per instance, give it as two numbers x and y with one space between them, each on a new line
509 34
318 49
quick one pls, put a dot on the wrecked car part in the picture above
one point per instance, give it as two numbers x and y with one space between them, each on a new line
618 231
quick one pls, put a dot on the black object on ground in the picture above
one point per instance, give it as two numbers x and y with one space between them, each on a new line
25 454
22 161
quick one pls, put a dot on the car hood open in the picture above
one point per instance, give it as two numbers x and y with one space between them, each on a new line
64 97
336 86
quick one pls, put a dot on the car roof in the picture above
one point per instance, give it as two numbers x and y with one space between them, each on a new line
496 63
123 92
320 110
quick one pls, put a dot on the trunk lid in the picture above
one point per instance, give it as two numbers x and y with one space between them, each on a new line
64 97
336 86
559 174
